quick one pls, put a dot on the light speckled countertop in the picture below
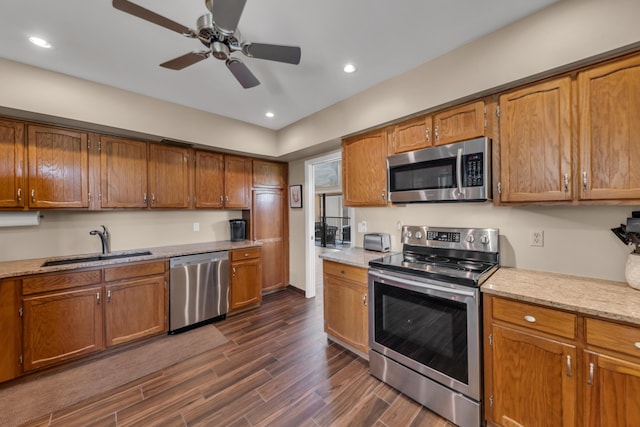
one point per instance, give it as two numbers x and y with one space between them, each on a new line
353 256
596 297
34 266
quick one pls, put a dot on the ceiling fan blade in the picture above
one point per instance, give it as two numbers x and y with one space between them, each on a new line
185 60
244 76
273 52
226 14
147 15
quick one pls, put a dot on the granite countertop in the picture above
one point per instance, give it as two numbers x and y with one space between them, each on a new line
353 256
596 297
34 266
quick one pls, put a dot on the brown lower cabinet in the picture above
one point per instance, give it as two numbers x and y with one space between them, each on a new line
548 367
345 305
11 335
71 314
246 279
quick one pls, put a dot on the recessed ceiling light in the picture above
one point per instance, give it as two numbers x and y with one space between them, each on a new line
349 68
269 114
39 42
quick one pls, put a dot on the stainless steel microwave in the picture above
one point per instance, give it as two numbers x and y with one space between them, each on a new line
459 172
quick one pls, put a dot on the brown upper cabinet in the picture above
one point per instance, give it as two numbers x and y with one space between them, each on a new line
169 183
412 134
12 164
609 142
58 168
459 123
269 174
535 143
222 181
123 166
364 169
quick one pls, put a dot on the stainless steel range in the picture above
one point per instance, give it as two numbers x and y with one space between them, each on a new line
425 318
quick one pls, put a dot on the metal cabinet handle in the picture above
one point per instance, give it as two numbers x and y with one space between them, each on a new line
436 132
530 319
153 198
637 344
584 181
383 194
98 297
364 300
221 199
246 254
227 199
591 368
33 195
109 295
426 134
19 194
144 198
234 270
568 365
566 182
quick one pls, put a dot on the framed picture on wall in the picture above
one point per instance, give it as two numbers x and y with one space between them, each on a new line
295 196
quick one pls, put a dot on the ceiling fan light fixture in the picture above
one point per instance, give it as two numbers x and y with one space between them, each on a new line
349 68
40 42
269 114
220 50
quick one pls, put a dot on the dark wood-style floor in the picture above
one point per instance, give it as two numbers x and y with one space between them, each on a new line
278 369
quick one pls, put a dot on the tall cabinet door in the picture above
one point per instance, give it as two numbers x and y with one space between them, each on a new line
237 182
123 165
58 168
610 131
209 181
535 143
12 163
269 219
364 169
169 176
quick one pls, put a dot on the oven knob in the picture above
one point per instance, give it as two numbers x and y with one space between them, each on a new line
418 235
470 238
484 239
408 234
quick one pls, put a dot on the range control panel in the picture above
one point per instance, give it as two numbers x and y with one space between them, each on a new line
472 239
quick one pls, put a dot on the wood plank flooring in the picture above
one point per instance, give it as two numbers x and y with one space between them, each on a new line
278 369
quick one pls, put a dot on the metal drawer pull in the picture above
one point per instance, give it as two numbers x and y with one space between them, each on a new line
109 295
33 195
19 194
568 365
364 300
590 380
530 319
637 344
98 297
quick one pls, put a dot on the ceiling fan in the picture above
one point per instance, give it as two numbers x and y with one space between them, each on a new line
218 31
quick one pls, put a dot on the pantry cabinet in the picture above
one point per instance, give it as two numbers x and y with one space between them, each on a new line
609 143
412 134
12 164
535 143
459 123
58 162
123 167
364 169
345 302
246 277
169 182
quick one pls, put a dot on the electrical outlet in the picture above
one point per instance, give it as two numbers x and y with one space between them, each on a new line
196 226
362 227
536 238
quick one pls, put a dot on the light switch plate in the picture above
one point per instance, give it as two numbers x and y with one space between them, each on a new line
362 227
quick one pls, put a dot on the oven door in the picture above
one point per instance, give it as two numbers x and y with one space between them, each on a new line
428 326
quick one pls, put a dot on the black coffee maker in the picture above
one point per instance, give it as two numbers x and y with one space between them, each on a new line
237 228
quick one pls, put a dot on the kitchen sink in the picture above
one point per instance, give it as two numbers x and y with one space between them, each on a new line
92 258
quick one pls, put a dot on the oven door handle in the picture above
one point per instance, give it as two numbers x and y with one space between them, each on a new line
459 170
428 286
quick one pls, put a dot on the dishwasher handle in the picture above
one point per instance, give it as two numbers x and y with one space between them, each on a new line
206 258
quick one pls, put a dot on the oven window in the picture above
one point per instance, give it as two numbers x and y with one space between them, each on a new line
431 331
424 176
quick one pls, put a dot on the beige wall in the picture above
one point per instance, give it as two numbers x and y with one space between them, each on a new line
297 238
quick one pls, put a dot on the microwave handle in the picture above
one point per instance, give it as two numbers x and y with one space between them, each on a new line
459 170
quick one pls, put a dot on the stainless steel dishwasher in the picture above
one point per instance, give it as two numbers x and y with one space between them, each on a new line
198 290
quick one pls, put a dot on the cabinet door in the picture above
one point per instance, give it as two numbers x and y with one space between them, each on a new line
61 326
610 131
209 181
535 143
612 390
134 309
411 135
10 338
58 168
345 312
169 176
533 380
12 164
459 124
364 169
237 182
123 165
246 289
269 174
268 226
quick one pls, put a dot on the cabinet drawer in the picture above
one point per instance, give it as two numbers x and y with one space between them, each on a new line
357 274
608 335
247 253
535 317
57 281
129 271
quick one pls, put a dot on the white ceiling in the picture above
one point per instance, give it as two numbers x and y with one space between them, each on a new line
94 41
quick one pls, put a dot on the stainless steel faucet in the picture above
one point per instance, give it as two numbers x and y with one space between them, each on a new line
105 238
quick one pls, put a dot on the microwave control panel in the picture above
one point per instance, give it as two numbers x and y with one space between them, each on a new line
473 170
